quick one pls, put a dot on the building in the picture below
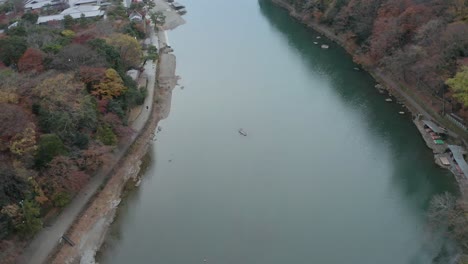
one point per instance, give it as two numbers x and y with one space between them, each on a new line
135 17
13 25
461 165
86 2
133 74
75 12
39 4
177 6
435 128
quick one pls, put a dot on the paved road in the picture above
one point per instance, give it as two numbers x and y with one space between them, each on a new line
150 70
48 238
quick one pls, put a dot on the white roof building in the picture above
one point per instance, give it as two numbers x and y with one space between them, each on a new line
75 12
37 4
133 74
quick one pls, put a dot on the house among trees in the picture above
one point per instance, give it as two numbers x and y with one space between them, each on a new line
75 12
135 17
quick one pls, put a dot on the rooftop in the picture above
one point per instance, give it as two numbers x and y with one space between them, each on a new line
457 152
434 127
177 5
75 12
36 4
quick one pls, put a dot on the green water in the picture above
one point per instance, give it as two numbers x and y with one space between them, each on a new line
329 172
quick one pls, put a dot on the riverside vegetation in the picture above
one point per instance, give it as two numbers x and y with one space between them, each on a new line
65 98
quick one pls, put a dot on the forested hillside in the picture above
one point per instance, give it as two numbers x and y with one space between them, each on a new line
64 102
422 44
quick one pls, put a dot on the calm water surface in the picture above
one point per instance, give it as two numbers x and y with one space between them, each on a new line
328 174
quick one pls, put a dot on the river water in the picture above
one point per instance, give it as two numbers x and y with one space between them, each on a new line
329 173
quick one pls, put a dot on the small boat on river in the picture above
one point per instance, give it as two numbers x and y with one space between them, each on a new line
242 132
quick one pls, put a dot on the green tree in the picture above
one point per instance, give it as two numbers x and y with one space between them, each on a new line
83 22
106 135
29 221
459 85
30 17
50 145
109 52
152 53
61 199
19 31
11 49
68 21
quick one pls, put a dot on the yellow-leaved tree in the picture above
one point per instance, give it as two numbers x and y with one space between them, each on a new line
24 143
112 86
459 85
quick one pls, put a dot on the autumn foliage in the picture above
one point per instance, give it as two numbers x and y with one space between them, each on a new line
31 61
419 44
64 104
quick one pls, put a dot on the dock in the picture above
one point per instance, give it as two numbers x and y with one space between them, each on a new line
438 146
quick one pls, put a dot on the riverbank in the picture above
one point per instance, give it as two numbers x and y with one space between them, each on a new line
89 230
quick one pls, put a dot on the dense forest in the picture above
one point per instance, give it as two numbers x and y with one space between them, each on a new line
421 44
64 99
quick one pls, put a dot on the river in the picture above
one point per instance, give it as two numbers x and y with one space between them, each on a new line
329 173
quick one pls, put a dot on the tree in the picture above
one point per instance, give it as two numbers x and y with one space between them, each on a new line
111 87
24 143
31 61
19 31
73 56
128 48
58 92
12 187
109 52
29 221
152 53
65 109
459 84
82 20
447 213
13 120
67 33
50 146
94 156
106 135
92 76
68 21
30 17
11 49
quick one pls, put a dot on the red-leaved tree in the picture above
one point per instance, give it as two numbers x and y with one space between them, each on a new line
31 61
